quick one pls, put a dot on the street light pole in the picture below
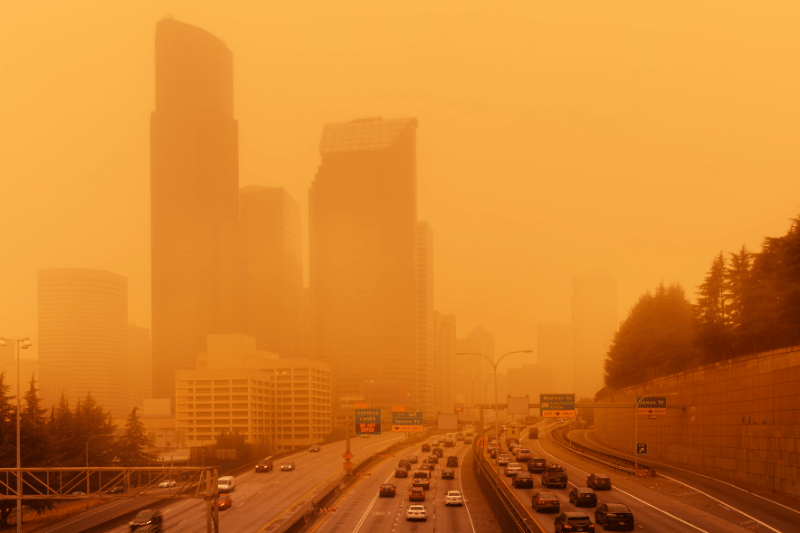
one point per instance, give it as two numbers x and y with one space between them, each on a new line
25 343
496 404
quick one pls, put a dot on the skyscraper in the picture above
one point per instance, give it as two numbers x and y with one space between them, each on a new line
362 244
449 371
425 320
555 352
274 271
594 321
140 366
194 182
83 327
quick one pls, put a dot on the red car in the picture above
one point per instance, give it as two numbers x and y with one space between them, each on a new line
417 494
224 501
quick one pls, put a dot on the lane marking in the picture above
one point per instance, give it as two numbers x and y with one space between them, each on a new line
298 501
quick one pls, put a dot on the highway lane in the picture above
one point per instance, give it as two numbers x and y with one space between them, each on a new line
362 510
265 499
658 505
753 506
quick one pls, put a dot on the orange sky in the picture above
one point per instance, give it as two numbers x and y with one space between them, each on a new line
554 137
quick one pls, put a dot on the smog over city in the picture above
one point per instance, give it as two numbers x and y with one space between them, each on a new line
334 208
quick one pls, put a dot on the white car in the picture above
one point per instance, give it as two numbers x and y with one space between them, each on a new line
513 468
453 497
166 484
416 512
503 459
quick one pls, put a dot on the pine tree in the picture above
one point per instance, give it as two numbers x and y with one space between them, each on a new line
132 443
35 444
711 310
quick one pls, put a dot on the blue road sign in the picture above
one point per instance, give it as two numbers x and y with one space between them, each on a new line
368 421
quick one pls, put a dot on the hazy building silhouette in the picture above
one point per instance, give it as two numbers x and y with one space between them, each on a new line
426 321
478 373
194 183
362 244
83 327
140 366
274 272
530 381
594 321
555 352
449 370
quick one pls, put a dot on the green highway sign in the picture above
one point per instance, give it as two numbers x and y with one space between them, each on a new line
407 421
556 405
651 405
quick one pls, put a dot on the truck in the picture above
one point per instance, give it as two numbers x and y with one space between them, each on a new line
512 433
421 478
554 475
533 432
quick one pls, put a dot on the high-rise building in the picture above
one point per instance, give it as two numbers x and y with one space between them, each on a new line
140 366
449 371
530 381
594 321
273 273
194 200
83 327
555 352
426 321
362 247
478 372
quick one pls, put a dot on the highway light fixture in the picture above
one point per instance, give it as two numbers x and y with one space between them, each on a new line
24 344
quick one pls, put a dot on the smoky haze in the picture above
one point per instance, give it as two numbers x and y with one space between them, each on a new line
552 138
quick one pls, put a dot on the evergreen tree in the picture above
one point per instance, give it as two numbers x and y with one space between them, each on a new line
131 444
8 430
712 311
35 444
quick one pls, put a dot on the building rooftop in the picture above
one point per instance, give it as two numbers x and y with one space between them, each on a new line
362 135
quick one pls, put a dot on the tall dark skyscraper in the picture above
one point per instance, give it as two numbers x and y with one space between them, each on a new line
194 196
362 251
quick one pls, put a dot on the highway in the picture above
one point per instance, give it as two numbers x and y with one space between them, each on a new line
659 504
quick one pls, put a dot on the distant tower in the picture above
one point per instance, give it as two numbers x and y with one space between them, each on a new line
478 373
449 371
83 327
426 321
362 246
594 321
274 271
140 366
555 352
194 200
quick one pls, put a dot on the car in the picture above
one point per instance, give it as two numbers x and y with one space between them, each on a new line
364 436
147 520
226 484
453 497
469 433
503 459
421 479
413 459
583 496
401 472
573 521
403 463
433 459
265 465
467 440
426 447
522 480
416 494
167 483
537 464
545 501
315 448
459 437
387 489
614 516
513 468
288 466
452 460
428 467
524 455
440 441
416 512
448 473
598 481
224 501
556 475
438 452
119 489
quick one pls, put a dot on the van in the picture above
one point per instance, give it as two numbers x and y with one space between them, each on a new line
226 484
421 478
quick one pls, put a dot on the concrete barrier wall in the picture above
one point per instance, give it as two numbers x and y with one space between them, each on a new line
741 420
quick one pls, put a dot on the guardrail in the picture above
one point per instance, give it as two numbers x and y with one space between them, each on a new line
619 463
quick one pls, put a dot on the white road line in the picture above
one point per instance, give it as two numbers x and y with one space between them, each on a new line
698 474
629 494
463 495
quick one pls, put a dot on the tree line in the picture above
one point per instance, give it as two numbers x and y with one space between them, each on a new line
748 303
59 437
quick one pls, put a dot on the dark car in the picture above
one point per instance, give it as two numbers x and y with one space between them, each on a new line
467 440
522 480
448 473
452 460
315 448
264 466
401 472
493 453
583 496
433 459
426 447
598 481
614 516
119 489
417 494
430 467
439 452
147 520
537 464
574 521
403 463
287 467
387 489
413 459
545 501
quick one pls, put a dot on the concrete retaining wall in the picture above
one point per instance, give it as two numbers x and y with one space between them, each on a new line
741 422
